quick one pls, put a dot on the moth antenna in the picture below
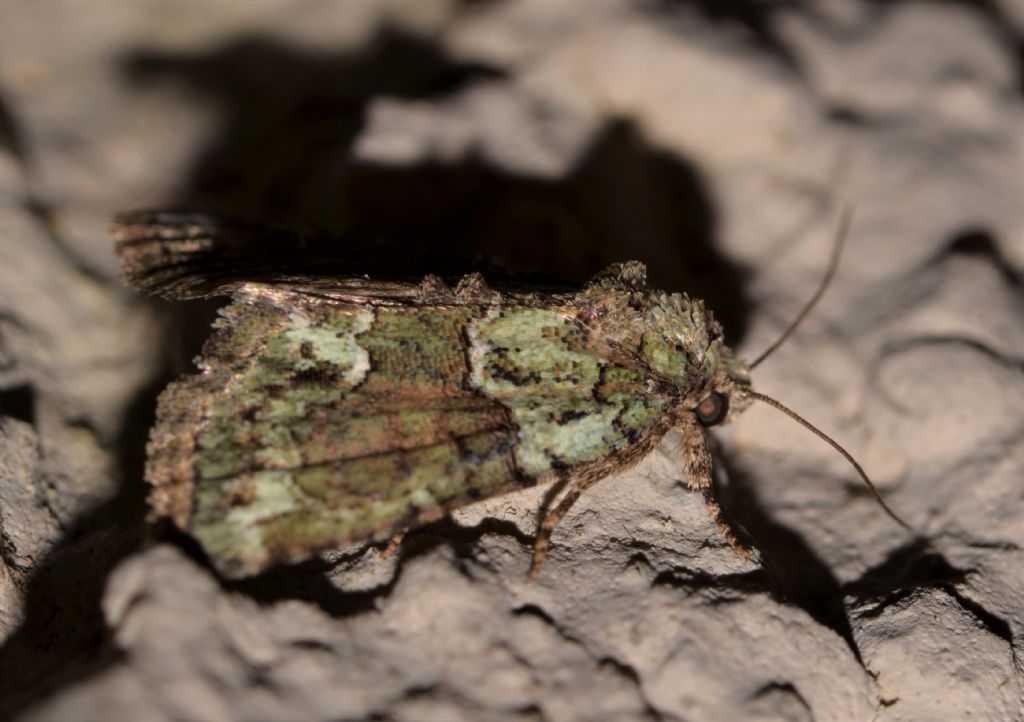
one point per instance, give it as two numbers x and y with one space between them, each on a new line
835 445
837 249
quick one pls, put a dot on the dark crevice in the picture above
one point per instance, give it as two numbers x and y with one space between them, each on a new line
852 117
621 668
533 610
462 539
19 402
757 20
12 133
638 560
980 242
1002 546
624 670
629 673
538 613
993 623
724 587
771 693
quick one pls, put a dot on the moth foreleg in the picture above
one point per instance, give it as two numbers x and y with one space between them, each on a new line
697 461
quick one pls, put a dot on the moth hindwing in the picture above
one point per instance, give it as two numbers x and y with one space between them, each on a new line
331 410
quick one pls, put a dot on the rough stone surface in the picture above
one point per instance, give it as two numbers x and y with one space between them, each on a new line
717 143
28 529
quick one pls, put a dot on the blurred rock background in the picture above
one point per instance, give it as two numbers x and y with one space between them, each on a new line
714 140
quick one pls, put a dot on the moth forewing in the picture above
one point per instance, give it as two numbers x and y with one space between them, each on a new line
333 410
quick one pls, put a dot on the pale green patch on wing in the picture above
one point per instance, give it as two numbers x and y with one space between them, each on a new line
522 352
546 435
535 362
230 514
330 343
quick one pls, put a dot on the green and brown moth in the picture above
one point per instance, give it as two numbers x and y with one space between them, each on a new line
338 409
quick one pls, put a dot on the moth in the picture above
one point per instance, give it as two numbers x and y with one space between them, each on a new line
332 409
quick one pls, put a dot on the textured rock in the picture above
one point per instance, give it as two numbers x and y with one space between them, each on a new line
28 529
714 143
935 659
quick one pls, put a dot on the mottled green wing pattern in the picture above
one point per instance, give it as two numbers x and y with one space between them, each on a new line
314 424
570 405
320 424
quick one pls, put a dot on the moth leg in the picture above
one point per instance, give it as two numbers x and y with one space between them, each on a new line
394 543
697 460
550 520
725 526
549 497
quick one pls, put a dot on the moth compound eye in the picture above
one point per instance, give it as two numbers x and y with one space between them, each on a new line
712 410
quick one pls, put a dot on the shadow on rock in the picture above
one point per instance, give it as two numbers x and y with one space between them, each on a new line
798 575
288 117
913 565
311 581
283 155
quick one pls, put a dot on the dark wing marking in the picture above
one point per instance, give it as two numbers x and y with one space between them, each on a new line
186 255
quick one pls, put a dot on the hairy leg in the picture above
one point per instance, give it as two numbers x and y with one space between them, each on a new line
697 461
393 545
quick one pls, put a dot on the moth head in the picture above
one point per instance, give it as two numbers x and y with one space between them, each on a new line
723 392
683 346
